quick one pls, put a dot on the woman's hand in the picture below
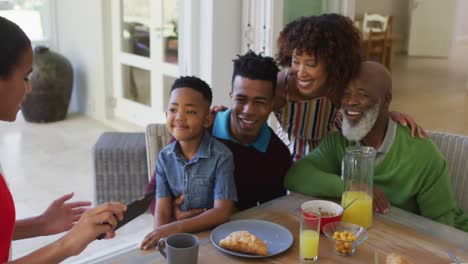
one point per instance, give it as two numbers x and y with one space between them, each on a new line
60 215
380 201
93 222
404 120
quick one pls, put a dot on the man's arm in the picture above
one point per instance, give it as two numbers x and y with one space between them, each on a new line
318 173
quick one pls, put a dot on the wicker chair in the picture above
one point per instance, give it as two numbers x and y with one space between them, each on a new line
157 137
455 150
120 168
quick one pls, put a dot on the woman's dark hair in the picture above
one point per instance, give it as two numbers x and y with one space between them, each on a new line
196 84
256 67
13 42
332 39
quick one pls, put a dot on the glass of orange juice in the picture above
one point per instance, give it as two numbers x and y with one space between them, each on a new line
309 236
358 173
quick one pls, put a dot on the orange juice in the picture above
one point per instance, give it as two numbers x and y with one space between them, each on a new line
360 212
308 244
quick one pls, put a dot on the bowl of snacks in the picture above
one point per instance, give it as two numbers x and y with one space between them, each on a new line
329 211
347 236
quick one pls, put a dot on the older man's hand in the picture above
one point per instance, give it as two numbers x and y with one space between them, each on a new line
380 201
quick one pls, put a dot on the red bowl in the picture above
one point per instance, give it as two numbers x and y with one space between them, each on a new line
323 207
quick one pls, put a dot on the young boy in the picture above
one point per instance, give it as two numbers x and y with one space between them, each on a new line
196 165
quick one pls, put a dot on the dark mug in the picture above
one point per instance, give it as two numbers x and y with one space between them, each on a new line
179 248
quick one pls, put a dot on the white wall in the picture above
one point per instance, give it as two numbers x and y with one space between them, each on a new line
461 21
81 38
431 30
220 42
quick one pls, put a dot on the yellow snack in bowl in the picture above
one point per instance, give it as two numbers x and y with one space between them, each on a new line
345 245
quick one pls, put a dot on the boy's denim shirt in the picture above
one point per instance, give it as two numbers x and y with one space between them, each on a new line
207 177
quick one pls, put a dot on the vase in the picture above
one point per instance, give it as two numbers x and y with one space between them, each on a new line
51 87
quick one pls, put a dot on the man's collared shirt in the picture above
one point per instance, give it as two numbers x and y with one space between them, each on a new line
387 142
207 177
221 129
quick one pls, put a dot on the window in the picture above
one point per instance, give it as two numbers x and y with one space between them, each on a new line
35 17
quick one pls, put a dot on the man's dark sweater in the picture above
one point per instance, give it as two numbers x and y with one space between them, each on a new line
259 175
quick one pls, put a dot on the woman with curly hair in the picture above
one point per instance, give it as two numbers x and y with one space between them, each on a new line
320 55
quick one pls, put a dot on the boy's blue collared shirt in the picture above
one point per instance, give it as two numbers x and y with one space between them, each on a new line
221 130
207 177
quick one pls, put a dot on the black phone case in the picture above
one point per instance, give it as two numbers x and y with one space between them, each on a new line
134 209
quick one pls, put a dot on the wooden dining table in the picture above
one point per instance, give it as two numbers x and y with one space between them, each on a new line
418 239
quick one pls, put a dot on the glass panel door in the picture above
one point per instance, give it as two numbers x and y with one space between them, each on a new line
145 57
136 27
171 31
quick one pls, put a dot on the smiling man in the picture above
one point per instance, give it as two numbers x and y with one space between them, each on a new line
261 158
409 173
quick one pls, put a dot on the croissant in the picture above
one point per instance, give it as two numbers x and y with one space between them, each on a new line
244 241
394 258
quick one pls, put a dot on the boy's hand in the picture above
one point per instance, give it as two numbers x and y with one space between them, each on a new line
152 239
181 215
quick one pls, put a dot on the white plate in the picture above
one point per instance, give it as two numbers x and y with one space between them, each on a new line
277 238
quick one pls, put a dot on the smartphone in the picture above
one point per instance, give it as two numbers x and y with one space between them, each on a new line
134 209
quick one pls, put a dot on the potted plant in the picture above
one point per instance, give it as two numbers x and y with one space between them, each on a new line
172 44
172 41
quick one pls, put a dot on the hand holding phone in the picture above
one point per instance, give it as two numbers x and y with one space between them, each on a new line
134 209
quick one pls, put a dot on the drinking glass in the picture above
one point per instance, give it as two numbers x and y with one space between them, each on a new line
309 236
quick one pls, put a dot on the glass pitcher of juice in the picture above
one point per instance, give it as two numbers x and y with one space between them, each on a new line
357 172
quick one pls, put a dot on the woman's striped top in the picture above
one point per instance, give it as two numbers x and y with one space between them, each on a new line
302 124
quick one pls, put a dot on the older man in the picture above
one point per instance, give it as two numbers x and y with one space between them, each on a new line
410 173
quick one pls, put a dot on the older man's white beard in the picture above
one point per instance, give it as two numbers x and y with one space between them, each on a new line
363 127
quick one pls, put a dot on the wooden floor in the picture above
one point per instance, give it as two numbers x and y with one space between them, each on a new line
434 91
